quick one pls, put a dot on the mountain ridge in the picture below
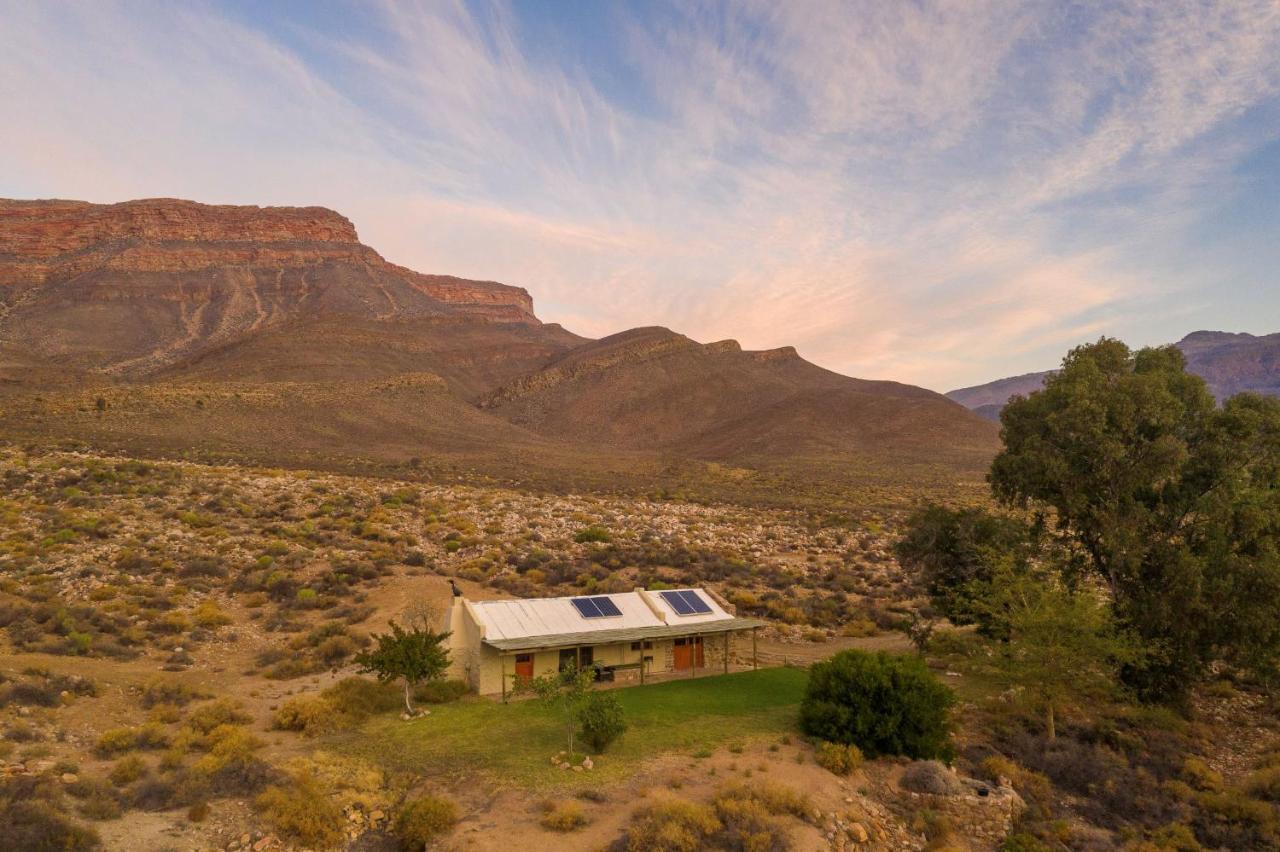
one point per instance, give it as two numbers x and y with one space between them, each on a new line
1229 362
273 333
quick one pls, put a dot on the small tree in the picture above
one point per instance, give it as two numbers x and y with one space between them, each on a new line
413 656
603 720
567 691
881 703
1062 644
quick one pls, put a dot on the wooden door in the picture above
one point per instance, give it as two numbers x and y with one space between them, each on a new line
702 661
682 655
524 666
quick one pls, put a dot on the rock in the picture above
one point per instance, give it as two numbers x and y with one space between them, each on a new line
577 769
69 778
588 763
377 817
857 832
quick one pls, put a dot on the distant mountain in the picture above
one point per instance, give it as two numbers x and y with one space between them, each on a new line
274 334
1229 363
651 388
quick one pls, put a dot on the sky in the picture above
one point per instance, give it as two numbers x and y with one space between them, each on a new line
941 193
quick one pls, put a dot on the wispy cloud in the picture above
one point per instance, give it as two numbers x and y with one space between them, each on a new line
938 192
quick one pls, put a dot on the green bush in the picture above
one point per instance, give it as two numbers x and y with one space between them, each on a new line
881 703
602 720
592 533
838 758
423 820
439 691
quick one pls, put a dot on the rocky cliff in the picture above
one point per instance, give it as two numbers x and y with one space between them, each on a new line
133 287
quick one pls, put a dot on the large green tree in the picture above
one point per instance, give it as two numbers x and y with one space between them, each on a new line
953 549
1172 502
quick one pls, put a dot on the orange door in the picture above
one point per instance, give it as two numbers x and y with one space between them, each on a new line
702 661
524 666
683 655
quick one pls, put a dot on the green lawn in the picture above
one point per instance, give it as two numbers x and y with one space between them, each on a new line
515 741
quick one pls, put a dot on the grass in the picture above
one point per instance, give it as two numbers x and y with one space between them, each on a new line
516 741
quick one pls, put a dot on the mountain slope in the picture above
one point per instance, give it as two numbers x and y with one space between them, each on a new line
274 335
651 388
1229 363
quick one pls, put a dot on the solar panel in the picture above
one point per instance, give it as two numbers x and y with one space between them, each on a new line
677 602
607 606
598 607
586 607
695 602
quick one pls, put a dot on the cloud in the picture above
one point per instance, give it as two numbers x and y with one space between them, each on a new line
939 192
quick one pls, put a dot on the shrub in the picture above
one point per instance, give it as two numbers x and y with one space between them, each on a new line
310 715
224 711
591 534
35 824
602 720
1264 784
563 816
672 825
423 820
127 770
198 812
837 758
165 691
121 740
439 691
930 777
881 703
302 811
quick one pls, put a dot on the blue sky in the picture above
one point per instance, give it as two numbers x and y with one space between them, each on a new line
941 193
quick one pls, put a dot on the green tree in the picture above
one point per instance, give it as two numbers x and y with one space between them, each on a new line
881 703
1170 501
953 548
603 720
1060 644
566 691
413 656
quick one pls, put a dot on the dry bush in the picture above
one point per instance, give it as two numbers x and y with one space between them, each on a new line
423 820
127 770
303 811
35 824
930 777
563 816
672 825
168 691
121 740
837 758
224 711
310 715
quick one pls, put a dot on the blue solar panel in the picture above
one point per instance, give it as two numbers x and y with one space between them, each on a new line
599 607
587 607
607 606
695 602
677 602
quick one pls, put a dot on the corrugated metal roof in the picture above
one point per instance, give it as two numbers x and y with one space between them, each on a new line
532 617
605 637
